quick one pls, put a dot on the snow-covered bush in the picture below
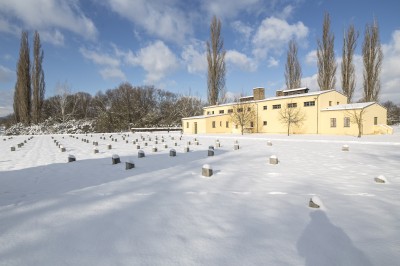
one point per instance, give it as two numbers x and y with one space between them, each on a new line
51 127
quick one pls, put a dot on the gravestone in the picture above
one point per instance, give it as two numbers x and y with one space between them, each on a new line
154 149
12 148
236 146
172 153
109 146
141 154
115 159
95 150
207 170
273 159
186 149
312 204
345 148
210 152
129 165
71 158
269 143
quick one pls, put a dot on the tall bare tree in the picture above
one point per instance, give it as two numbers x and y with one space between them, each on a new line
372 58
292 68
22 94
65 101
291 115
216 62
348 70
38 83
326 57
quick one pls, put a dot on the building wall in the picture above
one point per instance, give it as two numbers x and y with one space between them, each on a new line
315 121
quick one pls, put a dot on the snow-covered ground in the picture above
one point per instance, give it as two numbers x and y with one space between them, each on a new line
163 212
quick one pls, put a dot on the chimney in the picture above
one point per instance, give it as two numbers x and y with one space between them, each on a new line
259 93
279 93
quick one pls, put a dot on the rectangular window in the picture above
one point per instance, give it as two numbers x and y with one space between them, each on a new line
310 103
375 120
220 123
251 124
212 112
221 111
337 103
330 103
227 124
187 124
239 110
333 122
347 122
265 123
230 111
276 106
265 107
208 112
213 124
292 105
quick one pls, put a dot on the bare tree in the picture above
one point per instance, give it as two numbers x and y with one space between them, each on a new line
291 115
22 94
66 101
292 68
37 80
216 62
372 58
357 117
326 57
243 115
348 69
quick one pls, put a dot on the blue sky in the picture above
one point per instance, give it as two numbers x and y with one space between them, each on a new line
95 45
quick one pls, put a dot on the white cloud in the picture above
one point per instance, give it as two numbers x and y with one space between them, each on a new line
310 82
6 74
243 29
160 18
7 27
390 78
224 9
112 72
272 62
311 58
47 14
6 102
236 58
156 59
194 56
54 37
273 35
99 58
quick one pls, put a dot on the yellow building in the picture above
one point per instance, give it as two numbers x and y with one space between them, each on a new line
321 112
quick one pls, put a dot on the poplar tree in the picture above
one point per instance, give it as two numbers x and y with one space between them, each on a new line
22 93
292 68
326 57
348 70
216 62
372 58
38 83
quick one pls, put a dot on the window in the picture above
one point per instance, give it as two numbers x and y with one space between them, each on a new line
292 105
333 122
227 124
310 103
213 124
212 112
347 122
337 103
251 124
208 112
187 124
276 106
220 123
375 120
221 111
240 110
265 107
330 103
230 111
264 123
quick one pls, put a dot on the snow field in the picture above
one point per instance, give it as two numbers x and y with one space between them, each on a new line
163 212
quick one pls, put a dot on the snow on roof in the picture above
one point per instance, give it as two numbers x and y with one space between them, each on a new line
202 116
314 93
349 106
297 89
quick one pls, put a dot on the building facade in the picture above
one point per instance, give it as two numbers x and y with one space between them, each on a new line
321 112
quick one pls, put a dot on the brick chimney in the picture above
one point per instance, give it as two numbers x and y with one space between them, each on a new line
259 93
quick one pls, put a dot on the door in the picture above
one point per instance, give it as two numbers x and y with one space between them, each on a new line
195 127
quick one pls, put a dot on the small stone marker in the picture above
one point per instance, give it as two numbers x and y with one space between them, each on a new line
138 147
62 148
95 150
145 144
312 204
175 143
12 148
273 159
210 152
172 153
269 143
380 179
236 146
217 144
115 159
154 149
141 154
165 145
129 165
196 142
345 148
186 149
71 158
109 146
127 142
211 147
207 170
